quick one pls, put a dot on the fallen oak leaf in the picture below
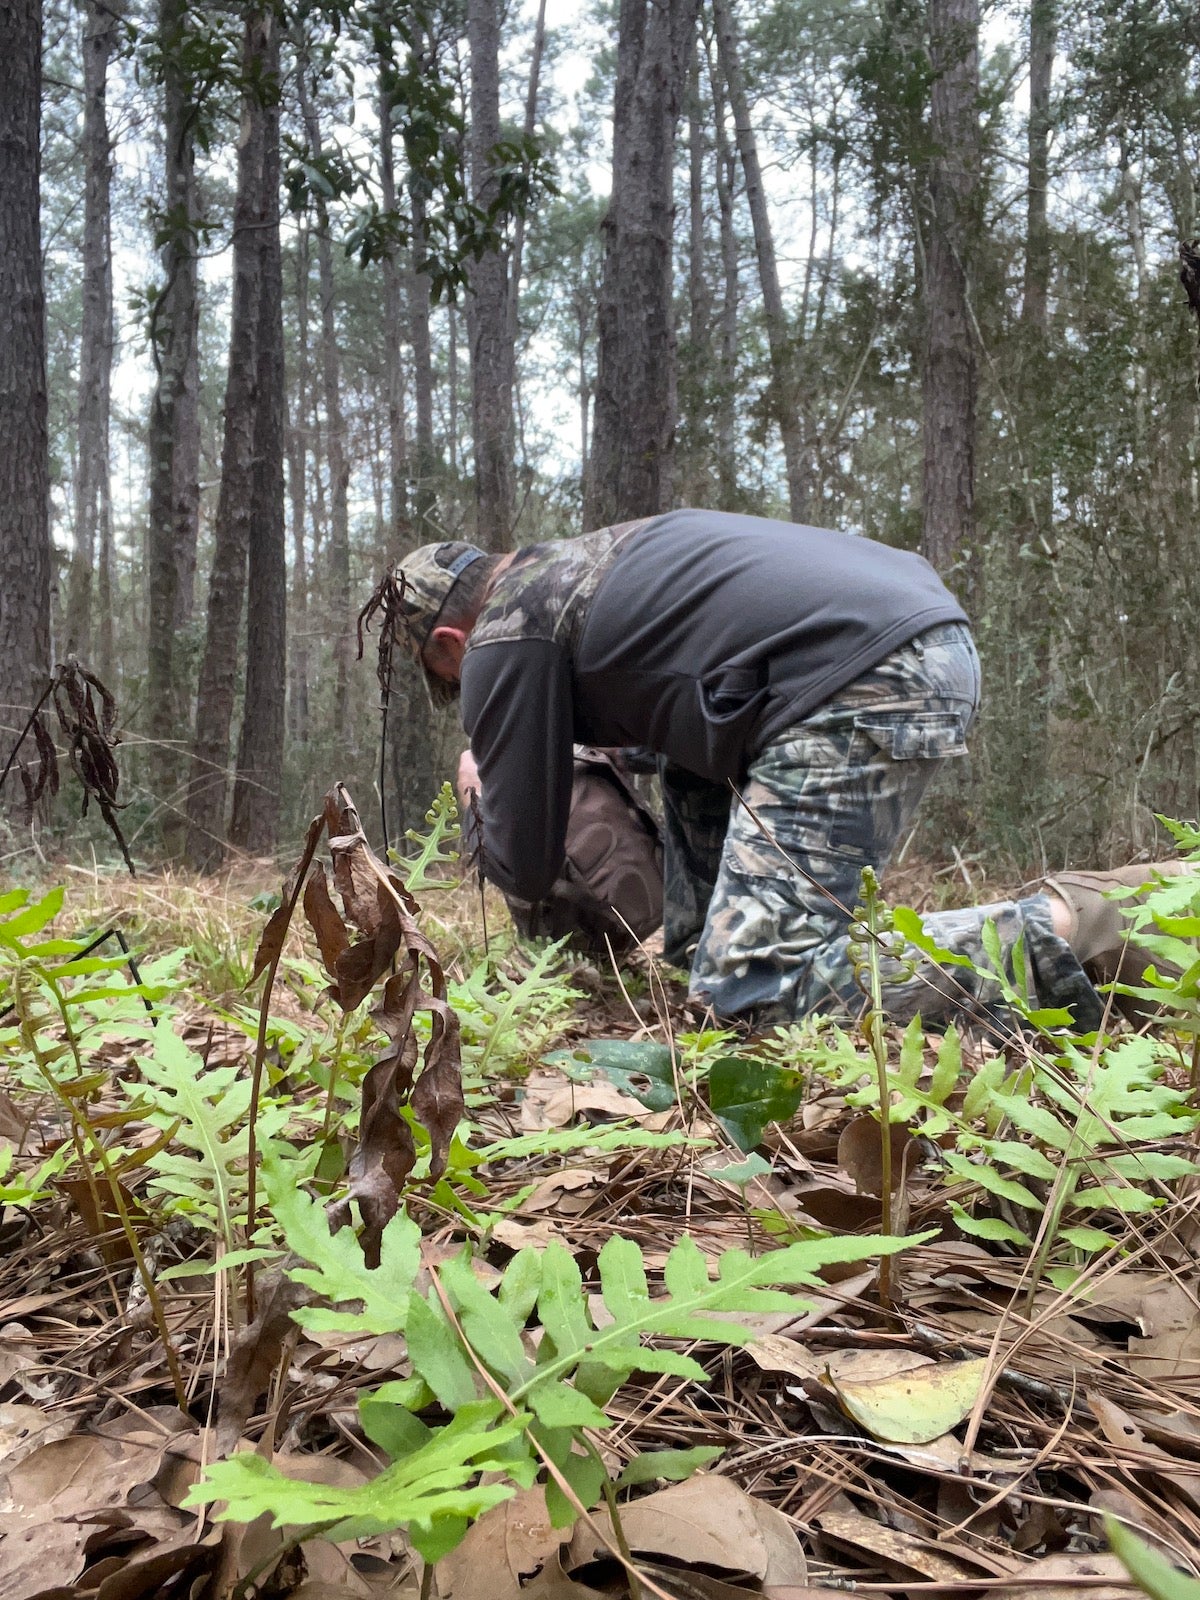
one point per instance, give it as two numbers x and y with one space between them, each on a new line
502 1551
256 1353
707 1521
915 1406
1070 1567
860 1153
904 1553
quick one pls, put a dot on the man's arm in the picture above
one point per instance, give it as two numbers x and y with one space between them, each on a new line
516 706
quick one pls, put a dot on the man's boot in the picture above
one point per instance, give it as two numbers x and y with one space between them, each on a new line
1099 933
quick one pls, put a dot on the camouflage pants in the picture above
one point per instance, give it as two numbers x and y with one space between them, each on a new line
759 895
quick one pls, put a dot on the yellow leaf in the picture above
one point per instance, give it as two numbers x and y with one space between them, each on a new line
913 1407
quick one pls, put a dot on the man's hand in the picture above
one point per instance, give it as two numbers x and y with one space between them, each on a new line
467 783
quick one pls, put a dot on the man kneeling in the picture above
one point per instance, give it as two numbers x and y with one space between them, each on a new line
799 688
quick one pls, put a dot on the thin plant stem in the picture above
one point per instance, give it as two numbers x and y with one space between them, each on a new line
614 1516
873 1026
260 1045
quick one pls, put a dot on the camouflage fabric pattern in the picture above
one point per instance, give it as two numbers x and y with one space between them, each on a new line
429 574
761 897
547 588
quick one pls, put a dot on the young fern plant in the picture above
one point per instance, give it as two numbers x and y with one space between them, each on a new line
202 1174
1062 1139
508 1022
436 849
461 1180
510 1381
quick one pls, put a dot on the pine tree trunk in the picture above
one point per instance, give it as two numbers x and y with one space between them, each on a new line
726 165
95 337
950 376
632 468
1035 299
244 492
699 379
173 437
187 495
298 723
338 609
424 455
531 113
491 345
784 388
24 449
412 733
1036 398
393 304
258 790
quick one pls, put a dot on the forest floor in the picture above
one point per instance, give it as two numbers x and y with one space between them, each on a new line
955 1419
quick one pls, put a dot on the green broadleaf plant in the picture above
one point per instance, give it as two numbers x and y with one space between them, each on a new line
468 1344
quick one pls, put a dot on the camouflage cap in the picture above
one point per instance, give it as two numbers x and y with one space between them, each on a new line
429 574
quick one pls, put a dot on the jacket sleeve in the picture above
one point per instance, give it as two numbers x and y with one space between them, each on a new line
517 711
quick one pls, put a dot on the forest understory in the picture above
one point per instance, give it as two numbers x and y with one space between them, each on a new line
629 1304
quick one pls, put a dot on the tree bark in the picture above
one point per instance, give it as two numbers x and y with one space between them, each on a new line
24 448
726 175
248 484
1035 298
785 390
950 375
412 734
531 111
338 607
393 303
258 790
633 440
298 720
489 333
425 462
699 380
173 436
95 340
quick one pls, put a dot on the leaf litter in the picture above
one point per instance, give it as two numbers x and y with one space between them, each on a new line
966 1439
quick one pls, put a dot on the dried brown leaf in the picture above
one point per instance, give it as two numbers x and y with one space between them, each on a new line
860 1153
437 1100
508 1546
772 1353
332 939
98 1210
904 1553
552 1583
46 1496
566 1101
1173 1354
707 1521
355 877
256 1353
1070 1567
270 945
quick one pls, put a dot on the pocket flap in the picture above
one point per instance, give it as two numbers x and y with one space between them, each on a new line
917 735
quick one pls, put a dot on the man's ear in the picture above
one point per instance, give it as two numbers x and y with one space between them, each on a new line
446 647
450 638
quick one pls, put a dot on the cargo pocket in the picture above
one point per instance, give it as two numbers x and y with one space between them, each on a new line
916 735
